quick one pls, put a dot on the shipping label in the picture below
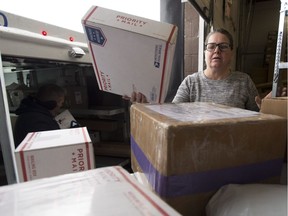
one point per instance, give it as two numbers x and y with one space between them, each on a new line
157 55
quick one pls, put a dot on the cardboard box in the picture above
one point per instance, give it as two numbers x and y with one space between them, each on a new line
66 120
187 151
49 153
275 106
130 53
102 191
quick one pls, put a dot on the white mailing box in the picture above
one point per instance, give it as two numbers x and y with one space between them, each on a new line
49 153
130 53
102 191
66 120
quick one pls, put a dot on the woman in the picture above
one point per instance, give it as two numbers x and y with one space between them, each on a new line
217 83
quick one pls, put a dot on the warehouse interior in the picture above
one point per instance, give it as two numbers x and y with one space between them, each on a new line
253 24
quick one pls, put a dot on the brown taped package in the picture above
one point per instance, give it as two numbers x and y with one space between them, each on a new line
188 151
275 106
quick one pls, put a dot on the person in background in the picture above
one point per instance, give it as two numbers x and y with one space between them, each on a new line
36 113
217 83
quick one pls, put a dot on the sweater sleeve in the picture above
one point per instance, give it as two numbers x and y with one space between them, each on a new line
253 92
183 92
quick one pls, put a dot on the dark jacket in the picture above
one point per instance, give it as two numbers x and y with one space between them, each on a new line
33 116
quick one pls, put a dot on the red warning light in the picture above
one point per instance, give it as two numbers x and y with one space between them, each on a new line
71 38
44 33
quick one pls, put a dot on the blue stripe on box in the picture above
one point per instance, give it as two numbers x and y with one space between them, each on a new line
200 182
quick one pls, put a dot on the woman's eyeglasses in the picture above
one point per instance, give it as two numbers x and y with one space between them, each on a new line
222 46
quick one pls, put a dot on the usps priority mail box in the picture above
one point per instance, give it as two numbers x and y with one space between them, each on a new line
130 53
55 152
102 191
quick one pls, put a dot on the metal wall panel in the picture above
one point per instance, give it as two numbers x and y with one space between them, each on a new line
171 11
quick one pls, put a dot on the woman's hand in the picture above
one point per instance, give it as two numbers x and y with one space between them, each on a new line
282 92
136 97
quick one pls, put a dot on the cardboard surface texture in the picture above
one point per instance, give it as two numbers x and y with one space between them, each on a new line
101 191
49 153
276 106
188 151
130 53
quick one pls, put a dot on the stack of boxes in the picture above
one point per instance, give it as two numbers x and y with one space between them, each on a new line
263 74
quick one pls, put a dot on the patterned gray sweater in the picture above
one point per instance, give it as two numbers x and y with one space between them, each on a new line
237 90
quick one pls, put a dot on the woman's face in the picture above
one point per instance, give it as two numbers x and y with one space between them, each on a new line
217 59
